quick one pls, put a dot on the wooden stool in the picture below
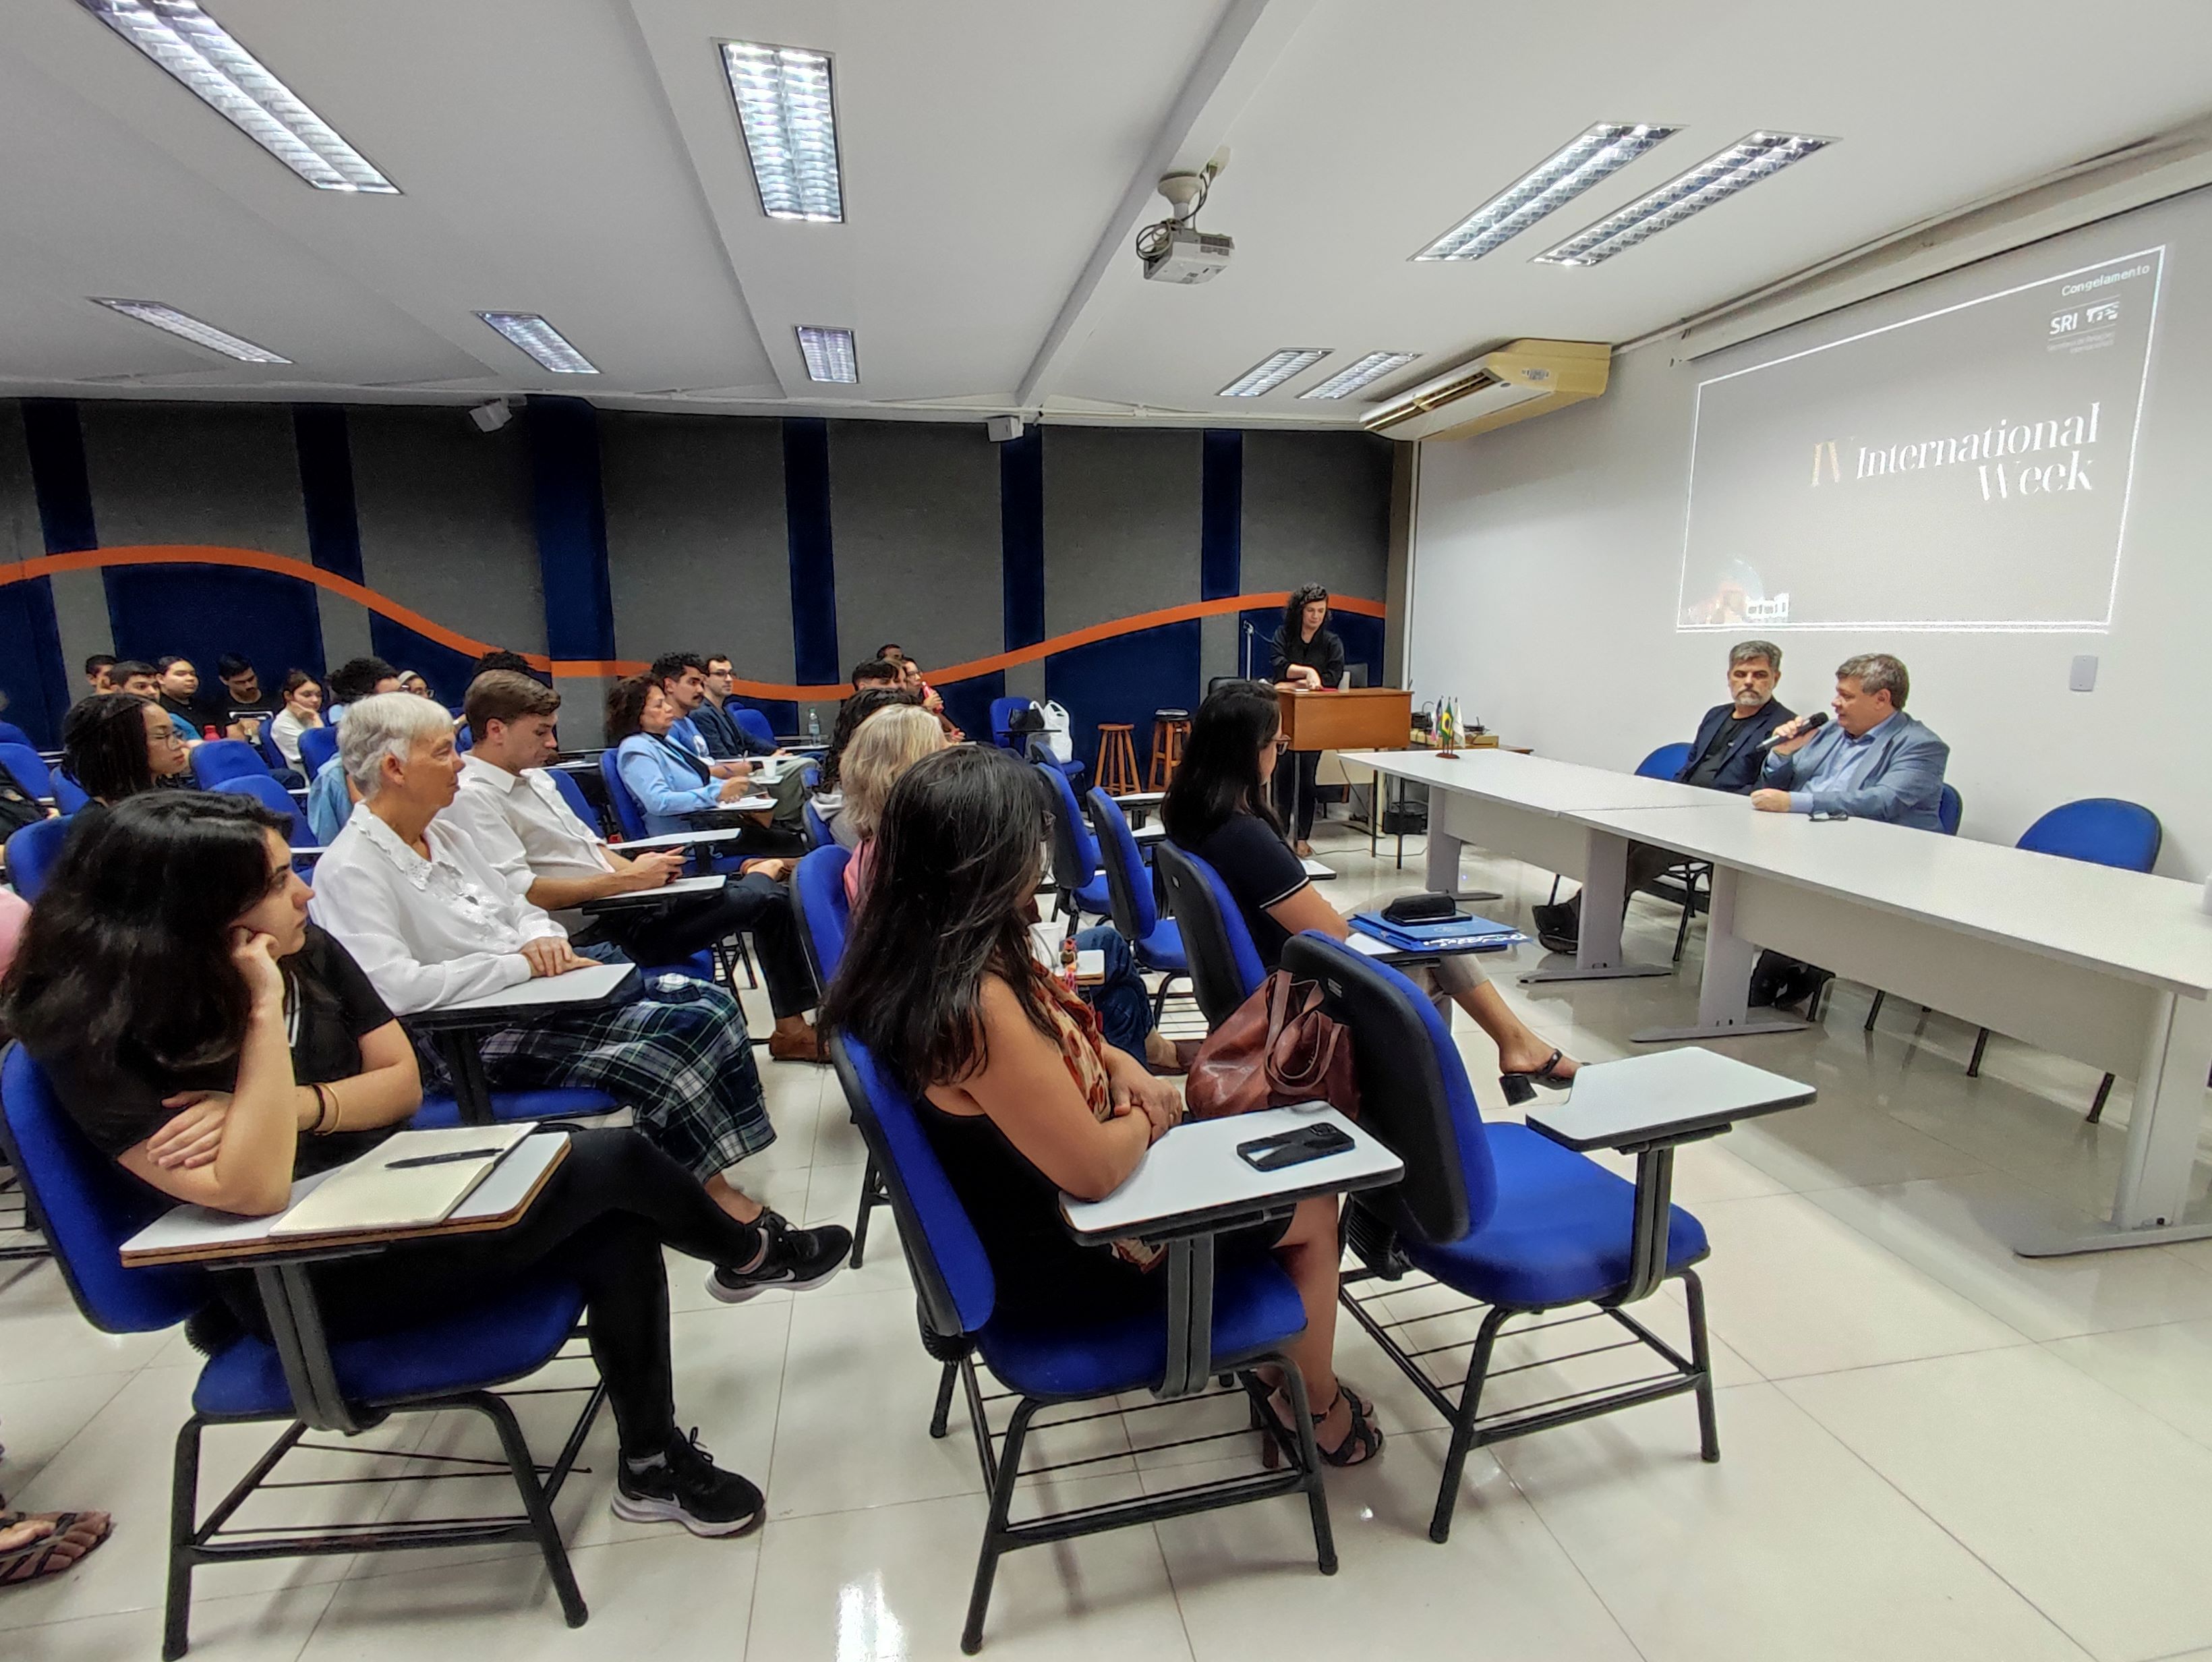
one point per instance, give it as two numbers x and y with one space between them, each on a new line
1117 758
1169 727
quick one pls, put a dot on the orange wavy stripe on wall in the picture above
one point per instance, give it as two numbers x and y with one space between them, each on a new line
249 559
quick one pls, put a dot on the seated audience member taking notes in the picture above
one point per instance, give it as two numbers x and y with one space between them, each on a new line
1216 808
676 787
1305 656
517 818
1874 762
853 714
432 922
682 676
206 1037
1020 1098
303 708
116 745
1725 757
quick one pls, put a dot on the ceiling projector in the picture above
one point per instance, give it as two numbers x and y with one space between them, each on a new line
1173 250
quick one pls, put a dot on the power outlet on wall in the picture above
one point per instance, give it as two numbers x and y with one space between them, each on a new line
2083 677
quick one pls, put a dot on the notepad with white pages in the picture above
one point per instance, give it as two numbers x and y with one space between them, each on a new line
406 1181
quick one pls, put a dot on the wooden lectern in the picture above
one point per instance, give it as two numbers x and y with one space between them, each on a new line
1349 718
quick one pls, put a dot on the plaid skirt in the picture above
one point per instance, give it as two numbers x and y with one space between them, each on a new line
679 1057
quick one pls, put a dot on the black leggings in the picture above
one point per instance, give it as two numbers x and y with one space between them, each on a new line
755 902
1298 767
600 1222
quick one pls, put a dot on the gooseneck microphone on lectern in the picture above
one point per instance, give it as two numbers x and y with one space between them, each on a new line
1796 729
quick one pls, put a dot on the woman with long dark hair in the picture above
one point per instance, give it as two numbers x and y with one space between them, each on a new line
117 745
1019 1096
1305 656
215 1044
1216 807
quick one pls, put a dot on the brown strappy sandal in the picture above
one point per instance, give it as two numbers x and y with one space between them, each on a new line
36 1560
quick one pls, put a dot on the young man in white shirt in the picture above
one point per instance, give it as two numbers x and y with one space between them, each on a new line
515 815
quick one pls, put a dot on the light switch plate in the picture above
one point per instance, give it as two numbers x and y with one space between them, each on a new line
2083 677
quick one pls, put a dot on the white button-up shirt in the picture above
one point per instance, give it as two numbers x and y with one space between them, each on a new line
525 830
431 932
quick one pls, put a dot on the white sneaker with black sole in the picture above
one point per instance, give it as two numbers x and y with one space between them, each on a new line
795 1259
684 1486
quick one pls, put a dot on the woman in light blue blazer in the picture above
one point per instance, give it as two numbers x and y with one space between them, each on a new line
676 787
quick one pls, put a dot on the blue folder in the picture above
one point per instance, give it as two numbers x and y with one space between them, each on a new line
1462 935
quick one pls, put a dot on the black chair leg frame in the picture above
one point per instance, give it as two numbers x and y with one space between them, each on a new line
1373 1242
873 1195
296 1326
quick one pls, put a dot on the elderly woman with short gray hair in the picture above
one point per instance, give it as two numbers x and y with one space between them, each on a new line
429 920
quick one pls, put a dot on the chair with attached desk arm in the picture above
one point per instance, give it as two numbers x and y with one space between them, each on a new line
217 760
1224 966
317 747
12 734
1077 878
265 790
818 828
32 852
301 1379
1156 942
754 725
629 816
825 918
1515 1217
29 769
1255 1308
68 795
1667 762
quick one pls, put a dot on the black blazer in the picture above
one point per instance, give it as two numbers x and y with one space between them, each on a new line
1739 768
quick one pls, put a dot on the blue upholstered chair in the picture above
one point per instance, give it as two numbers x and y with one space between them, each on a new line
629 816
1002 712
2104 831
1664 763
1155 941
573 794
265 741
219 759
464 740
818 828
273 796
1503 1215
1256 1309
1224 965
12 734
68 795
1076 864
317 747
755 725
1688 875
818 890
32 852
28 767
88 1209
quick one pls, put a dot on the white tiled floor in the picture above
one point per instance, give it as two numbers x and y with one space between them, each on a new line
1931 1448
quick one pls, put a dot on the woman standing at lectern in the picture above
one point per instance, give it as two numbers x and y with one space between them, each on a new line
1306 655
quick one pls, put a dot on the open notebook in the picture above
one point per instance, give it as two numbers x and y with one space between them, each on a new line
406 1181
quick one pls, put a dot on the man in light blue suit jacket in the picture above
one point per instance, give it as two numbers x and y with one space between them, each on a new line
1873 761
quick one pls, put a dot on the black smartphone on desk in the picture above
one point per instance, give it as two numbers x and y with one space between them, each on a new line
1316 1141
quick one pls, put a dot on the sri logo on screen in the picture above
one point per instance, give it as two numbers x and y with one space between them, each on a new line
1965 469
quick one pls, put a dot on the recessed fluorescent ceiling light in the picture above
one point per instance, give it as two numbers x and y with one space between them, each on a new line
1598 155
1739 166
791 127
1353 376
199 51
192 329
1273 370
829 353
542 341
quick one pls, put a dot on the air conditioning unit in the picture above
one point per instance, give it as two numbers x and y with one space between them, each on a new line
1516 381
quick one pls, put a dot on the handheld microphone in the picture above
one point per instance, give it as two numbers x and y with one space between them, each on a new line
1797 729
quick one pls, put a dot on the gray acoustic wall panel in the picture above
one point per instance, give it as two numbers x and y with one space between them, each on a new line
445 522
1120 522
696 554
914 516
225 474
1317 510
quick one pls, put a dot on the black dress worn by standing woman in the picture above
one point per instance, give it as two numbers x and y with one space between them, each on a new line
1294 773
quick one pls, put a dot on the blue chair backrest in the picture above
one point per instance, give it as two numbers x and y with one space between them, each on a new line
818 828
219 759
818 890
266 742
28 767
753 724
88 1209
1002 712
1129 885
12 734
1224 965
2105 830
1075 859
32 852
627 815
1664 763
1950 809
1413 1090
573 794
317 747
68 795
271 795
464 740
942 1248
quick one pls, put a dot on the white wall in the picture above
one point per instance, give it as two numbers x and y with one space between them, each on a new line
1546 558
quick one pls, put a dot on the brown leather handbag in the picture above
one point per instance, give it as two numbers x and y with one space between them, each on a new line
1275 1049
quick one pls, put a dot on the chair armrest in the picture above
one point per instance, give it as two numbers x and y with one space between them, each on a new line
1662 1101
611 983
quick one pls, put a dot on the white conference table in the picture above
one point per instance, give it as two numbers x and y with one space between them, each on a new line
1534 808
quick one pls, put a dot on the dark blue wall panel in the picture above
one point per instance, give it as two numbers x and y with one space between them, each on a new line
318 433
33 675
1021 538
1221 516
1125 678
448 672
815 657
59 474
201 612
1362 636
572 528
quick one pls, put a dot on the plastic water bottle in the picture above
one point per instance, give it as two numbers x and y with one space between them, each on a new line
814 723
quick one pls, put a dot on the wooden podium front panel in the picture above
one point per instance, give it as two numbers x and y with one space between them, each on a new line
1350 718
